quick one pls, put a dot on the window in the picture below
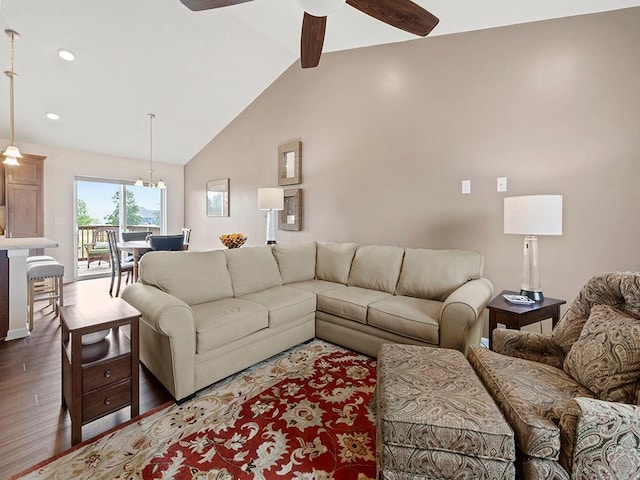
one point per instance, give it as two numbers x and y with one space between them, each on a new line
101 202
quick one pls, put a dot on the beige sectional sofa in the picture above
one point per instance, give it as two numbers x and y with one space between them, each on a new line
206 315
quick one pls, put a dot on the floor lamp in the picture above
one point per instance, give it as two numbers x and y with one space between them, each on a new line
272 200
532 215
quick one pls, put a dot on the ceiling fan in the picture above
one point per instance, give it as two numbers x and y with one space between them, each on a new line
402 14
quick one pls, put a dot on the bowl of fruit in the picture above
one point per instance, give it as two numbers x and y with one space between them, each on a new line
233 240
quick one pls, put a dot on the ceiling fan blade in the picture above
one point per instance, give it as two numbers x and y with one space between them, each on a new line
313 29
197 5
402 14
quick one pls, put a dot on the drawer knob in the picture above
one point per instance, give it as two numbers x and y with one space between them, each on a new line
107 401
107 373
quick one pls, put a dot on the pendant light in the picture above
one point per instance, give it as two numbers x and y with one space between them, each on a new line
12 153
150 183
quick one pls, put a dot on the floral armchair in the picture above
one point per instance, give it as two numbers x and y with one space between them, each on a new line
573 398
98 248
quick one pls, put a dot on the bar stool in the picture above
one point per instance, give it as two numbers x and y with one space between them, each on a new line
37 272
40 258
43 285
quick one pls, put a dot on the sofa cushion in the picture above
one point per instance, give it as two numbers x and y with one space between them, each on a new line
285 304
333 261
618 289
606 356
531 396
297 262
376 267
411 317
315 286
252 269
349 302
435 274
193 277
224 321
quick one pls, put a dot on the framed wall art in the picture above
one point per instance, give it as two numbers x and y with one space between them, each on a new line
290 163
291 215
218 198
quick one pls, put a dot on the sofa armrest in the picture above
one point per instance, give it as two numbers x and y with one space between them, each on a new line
607 440
528 345
163 311
170 349
461 315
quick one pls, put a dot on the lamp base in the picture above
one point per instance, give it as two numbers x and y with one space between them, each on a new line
535 296
271 227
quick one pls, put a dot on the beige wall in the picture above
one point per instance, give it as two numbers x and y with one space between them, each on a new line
60 170
390 131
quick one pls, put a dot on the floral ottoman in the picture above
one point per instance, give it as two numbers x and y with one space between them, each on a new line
435 420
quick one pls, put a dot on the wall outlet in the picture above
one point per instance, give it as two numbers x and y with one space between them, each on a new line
466 186
502 184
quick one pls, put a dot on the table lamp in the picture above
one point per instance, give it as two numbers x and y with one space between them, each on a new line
271 199
532 215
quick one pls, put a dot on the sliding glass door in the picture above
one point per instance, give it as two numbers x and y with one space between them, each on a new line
107 204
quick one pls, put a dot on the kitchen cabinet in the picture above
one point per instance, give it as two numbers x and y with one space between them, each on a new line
24 198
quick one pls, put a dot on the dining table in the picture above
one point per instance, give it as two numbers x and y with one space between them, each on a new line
137 248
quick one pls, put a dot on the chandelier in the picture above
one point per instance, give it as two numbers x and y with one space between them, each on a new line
12 153
150 183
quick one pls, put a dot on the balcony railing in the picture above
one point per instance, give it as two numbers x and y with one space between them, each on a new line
86 234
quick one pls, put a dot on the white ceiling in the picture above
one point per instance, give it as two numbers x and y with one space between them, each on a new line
195 70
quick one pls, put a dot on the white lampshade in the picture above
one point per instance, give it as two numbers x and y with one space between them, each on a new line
533 215
320 8
270 199
12 155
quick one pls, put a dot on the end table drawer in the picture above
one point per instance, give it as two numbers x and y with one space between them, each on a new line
106 400
98 376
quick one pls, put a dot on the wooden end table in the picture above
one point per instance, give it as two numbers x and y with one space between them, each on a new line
99 378
515 316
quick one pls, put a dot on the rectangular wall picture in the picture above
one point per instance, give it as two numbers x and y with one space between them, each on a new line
218 198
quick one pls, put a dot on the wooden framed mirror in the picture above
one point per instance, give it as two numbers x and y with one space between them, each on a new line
291 215
290 163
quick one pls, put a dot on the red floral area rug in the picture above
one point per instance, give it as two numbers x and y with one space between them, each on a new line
300 415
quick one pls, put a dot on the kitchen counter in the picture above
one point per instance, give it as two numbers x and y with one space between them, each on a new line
22 243
13 284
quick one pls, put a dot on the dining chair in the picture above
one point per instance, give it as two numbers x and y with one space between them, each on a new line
133 236
186 232
118 267
172 243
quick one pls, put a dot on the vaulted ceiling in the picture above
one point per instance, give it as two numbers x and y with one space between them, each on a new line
195 70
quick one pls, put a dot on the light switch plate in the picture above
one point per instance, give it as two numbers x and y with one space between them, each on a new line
466 186
502 184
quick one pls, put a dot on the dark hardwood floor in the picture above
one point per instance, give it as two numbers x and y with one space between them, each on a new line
33 424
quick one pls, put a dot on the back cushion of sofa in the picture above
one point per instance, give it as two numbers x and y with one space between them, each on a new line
435 274
333 261
297 263
376 267
252 269
193 277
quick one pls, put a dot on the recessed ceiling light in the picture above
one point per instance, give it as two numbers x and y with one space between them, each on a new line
67 55
52 116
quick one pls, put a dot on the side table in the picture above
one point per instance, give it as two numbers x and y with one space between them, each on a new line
99 378
515 316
